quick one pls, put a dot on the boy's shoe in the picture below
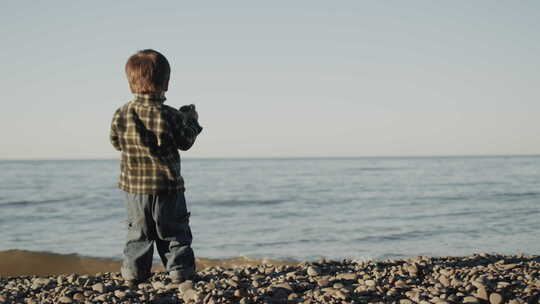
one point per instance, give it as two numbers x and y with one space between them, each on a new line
132 278
179 277
132 283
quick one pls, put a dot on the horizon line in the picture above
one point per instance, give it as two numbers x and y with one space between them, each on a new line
286 157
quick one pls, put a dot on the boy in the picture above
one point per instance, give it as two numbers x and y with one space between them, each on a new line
149 135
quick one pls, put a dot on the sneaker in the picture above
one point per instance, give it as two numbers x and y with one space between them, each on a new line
179 276
132 283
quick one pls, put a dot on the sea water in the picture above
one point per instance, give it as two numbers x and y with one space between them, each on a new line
289 209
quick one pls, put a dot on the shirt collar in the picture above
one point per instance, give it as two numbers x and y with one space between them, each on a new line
150 99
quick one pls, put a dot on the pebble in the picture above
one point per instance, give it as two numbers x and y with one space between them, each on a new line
99 287
171 286
158 285
189 294
79 297
239 293
509 266
119 294
233 283
447 272
186 285
502 285
65 300
400 284
290 275
412 269
286 286
42 281
161 299
71 278
370 283
292 297
329 291
244 301
313 271
323 282
35 286
481 293
413 295
495 298
340 295
444 281
102 298
347 276
470 299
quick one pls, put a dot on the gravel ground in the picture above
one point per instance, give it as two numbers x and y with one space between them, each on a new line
481 278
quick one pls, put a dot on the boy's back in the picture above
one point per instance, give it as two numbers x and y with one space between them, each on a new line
149 135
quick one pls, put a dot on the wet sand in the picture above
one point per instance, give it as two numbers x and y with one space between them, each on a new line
26 263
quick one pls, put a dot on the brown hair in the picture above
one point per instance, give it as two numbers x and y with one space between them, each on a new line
148 72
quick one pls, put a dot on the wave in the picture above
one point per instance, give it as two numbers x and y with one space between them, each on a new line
367 169
42 202
517 195
282 243
466 184
241 203
443 198
420 216
465 197
416 234
467 213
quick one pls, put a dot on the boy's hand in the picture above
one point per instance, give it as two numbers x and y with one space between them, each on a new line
190 112
191 118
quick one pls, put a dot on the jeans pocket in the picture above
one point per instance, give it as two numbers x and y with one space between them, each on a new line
134 230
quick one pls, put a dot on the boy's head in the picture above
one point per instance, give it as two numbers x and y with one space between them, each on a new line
148 72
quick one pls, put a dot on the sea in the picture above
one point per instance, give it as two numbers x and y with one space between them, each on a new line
294 209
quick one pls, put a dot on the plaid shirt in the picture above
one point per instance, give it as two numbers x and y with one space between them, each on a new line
149 135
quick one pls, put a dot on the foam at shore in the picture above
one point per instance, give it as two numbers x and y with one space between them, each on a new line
23 263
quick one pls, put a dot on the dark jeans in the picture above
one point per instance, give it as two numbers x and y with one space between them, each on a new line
162 219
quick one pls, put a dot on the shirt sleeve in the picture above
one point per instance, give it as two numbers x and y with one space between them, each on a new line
184 136
113 136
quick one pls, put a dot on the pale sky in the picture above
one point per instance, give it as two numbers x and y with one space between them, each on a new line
279 78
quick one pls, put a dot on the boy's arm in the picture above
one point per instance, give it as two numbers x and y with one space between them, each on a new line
186 142
184 135
113 136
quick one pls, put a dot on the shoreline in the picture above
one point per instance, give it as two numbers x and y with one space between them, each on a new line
17 262
479 278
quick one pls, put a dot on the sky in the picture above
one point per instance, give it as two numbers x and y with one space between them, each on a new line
278 78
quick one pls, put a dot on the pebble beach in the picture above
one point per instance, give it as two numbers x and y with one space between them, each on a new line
480 278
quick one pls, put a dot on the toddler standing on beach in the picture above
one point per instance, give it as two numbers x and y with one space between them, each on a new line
149 134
